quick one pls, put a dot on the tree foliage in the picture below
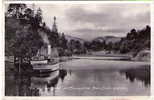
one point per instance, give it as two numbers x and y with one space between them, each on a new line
136 41
22 39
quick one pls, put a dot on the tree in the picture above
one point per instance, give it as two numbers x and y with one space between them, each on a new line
25 36
38 15
109 46
87 45
15 10
132 35
63 41
77 44
53 38
29 13
136 41
97 45
72 45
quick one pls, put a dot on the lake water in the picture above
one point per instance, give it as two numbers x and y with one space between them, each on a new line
85 77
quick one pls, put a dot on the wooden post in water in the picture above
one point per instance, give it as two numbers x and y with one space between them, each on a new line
20 62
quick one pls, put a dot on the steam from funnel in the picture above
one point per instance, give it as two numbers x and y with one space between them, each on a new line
44 37
46 41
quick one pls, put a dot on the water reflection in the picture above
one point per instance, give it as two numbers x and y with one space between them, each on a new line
141 74
30 85
23 86
81 82
62 74
48 84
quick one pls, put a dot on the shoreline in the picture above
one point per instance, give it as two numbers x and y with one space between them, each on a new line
121 57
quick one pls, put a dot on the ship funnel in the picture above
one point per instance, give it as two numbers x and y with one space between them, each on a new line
49 50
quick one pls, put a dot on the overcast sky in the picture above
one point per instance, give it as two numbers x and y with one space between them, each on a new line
88 21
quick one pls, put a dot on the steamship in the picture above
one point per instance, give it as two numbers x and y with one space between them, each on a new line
47 58
43 56
45 61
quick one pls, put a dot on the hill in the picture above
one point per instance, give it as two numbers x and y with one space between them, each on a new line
69 38
108 39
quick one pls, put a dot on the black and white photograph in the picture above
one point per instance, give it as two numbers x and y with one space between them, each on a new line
83 49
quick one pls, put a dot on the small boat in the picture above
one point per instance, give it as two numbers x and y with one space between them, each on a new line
46 60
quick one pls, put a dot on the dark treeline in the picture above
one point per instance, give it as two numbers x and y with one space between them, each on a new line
135 41
23 26
21 31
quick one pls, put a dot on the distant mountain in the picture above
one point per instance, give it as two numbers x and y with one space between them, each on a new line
108 39
68 37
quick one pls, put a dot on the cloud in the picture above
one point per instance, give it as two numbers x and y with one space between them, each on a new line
94 20
117 18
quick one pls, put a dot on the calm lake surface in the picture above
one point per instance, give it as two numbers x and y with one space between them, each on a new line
85 77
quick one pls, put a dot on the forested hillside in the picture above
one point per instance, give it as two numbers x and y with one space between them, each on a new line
135 41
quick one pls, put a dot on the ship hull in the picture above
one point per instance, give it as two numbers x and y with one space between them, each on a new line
39 62
46 79
45 68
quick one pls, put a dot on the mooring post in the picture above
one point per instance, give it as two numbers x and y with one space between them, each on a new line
19 64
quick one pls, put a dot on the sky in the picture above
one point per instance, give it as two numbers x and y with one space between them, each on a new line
88 21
